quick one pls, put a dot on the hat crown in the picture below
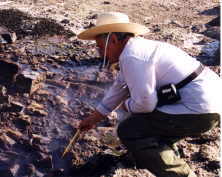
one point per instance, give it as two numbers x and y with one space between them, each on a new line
112 17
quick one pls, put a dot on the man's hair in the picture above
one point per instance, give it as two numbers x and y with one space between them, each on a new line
120 35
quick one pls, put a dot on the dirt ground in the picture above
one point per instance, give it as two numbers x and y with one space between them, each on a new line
47 44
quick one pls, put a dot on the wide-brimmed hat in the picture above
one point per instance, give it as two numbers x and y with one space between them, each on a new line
112 22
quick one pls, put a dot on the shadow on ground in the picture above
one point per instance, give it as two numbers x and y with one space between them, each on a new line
24 24
212 11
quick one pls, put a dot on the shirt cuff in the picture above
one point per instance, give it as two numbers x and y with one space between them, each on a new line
103 109
127 105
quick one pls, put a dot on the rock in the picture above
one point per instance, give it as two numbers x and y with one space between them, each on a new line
55 173
198 28
8 72
6 173
14 134
213 32
106 2
22 122
11 107
3 144
61 100
29 81
65 21
156 28
6 140
177 23
58 83
45 163
214 22
15 107
26 145
29 170
38 113
213 165
36 109
38 139
94 16
210 48
217 56
3 91
3 97
209 152
14 169
7 36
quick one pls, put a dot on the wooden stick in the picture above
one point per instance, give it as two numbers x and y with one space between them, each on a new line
72 141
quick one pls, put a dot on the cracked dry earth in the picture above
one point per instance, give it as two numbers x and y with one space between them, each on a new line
70 84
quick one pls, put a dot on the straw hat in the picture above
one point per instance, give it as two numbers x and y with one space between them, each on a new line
112 22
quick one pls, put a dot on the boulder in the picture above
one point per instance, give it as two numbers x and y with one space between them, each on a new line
7 36
29 81
8 72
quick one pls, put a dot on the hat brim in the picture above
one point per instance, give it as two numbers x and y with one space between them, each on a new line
90 34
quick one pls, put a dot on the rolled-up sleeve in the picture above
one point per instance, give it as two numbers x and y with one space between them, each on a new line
117 93
141 80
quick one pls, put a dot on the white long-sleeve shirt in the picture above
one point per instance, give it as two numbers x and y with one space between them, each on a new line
146 65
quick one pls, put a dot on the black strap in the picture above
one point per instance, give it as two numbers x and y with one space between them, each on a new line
192 76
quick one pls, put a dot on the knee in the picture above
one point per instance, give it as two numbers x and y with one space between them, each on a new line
125 130
121 131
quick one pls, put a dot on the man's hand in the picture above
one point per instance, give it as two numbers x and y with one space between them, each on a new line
91 121
123 107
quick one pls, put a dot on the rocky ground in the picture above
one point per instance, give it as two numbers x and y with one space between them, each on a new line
50 80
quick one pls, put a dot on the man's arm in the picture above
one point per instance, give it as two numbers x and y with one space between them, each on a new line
116 94
141 80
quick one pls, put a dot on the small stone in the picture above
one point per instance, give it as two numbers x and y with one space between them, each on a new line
94 16
198 28
3 91
156 28
6 140
36 112
106 2
29 81
38 139
65 21
177 23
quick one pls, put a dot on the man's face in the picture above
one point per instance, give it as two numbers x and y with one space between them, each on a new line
111 51
100 43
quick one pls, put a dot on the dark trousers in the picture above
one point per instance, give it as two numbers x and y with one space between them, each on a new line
151 136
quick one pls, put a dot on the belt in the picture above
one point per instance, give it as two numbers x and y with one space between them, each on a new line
192 76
